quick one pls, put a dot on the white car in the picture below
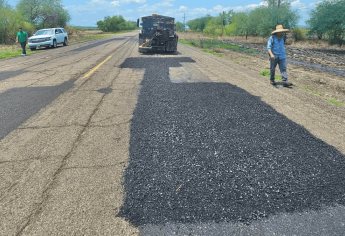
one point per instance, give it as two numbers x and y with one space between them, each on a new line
48 38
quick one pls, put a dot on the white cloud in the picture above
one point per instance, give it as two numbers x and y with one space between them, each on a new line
298 4
133 1
115 3
132 9
183 8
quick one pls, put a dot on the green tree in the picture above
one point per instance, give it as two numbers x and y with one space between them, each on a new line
199 24
180 27
277 3
216 25
44 13
10 21
328 21
258 22
115 24
239 25
262 20
3 4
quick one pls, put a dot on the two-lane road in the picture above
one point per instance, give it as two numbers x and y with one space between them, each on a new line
29 84
97 139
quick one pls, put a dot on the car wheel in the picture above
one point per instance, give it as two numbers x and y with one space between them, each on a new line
32 49
65 42
54 44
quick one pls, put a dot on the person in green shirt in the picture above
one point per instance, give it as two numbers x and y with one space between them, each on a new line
22 38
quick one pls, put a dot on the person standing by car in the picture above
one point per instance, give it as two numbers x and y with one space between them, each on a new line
276 51
22 38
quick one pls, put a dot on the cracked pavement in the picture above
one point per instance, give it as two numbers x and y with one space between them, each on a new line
64 141
185 144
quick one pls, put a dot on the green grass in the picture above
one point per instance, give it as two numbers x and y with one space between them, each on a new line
218 54
184 41
335 102
214 44
332 101
266 73
12 51
312 91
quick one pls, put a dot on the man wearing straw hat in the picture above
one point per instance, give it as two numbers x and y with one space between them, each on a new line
276 51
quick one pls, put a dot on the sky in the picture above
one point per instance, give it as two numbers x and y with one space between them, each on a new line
88 12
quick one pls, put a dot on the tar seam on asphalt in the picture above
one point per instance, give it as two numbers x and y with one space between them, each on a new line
92 45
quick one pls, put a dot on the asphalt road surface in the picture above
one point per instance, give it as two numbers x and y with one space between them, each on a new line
97 139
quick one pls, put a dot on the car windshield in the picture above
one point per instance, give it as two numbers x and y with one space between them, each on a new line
44 32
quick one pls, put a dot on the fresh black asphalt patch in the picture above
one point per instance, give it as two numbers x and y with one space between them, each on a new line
211 152
19 104
98 43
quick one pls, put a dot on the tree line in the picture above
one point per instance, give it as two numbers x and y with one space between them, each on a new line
327 21
31 15
115 24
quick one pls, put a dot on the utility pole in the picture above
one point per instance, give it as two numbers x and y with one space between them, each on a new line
184 22
223 22
279 1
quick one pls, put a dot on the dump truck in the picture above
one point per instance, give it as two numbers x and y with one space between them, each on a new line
158 34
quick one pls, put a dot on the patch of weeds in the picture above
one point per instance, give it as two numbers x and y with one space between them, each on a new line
188 42
213 52
312 91
13 51
266 73
335 102
218 44
332 101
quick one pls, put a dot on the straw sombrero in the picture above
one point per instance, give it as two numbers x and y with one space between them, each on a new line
280 28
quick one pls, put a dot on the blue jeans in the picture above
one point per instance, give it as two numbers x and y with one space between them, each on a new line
23 45
282 68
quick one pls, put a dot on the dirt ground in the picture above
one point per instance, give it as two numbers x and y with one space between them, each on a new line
315 69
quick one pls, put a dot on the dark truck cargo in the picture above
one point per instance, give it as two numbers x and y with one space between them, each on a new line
157 34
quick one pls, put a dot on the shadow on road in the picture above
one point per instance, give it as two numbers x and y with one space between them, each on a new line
4 75
19 104
211 152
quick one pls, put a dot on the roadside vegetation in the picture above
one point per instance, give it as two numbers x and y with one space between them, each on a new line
115 24
266 73
218 45
242 36
257 22
32 15
9 51
326 22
